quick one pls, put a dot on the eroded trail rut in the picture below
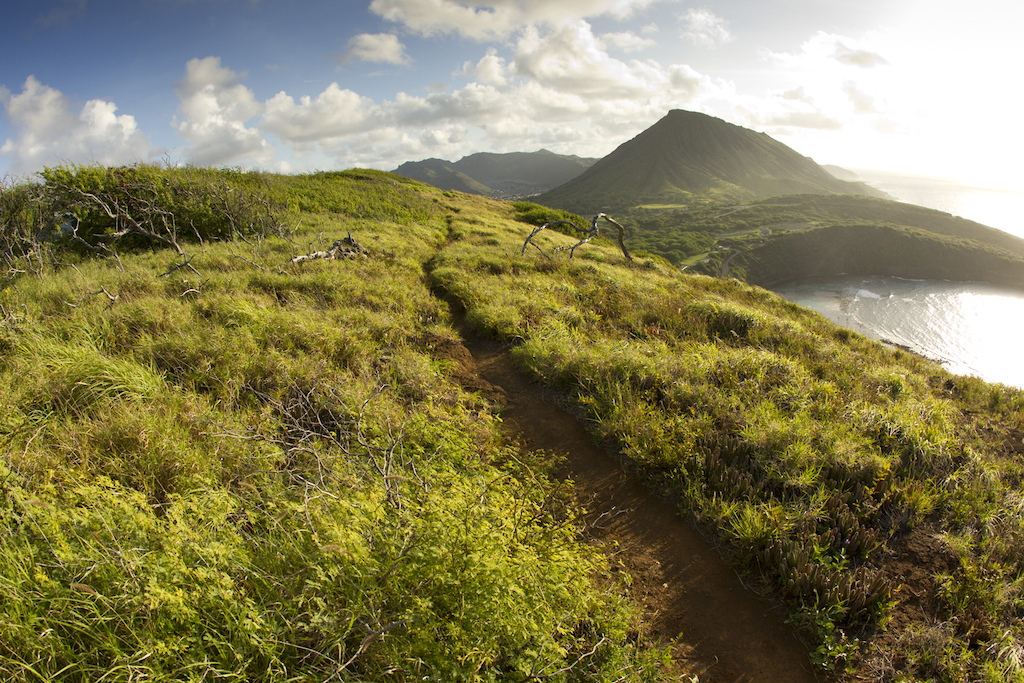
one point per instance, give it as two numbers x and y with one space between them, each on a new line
721 632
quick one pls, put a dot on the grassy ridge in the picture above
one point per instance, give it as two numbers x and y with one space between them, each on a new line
791 237
219 462
249 469
820 458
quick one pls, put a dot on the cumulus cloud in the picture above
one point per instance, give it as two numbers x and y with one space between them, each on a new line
560 89
705 28
334 113
627 41
861 58
862 102
571 59
804 119
48 131
824 48
381 48
490 70
214 107
494 19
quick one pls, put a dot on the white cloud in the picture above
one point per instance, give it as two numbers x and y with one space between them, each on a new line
381 48
823 49
48 131
571 59
334 113
803 119
494 19
837 70
627 41
561 90
215 107
862 102
490 70
705 28
861 58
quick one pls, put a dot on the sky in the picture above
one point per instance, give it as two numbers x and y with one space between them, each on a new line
923 87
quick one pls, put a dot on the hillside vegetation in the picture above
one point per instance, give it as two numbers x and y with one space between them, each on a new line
689 159
724 200
787 238
223 463
504 176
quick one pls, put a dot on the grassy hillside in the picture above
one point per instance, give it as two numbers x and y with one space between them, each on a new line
220 464
223 462
791 237
442 175
867 486
513 174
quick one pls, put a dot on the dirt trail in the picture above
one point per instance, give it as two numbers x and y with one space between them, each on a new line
723 633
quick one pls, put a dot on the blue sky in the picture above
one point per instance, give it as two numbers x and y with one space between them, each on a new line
916 86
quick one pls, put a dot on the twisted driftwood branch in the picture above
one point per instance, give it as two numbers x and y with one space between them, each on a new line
587 236
346 247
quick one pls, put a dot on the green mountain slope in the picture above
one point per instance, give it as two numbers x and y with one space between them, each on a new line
514 174
793 237
442 175
241 449
688 157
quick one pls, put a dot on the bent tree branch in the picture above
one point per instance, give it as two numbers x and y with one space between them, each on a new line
587 236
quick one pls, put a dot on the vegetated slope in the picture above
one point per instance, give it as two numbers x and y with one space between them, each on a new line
788 238
514 174
442 175
866 485
220 463
689 157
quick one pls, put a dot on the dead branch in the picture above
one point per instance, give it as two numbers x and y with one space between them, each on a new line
529 239
111 298
186 263
138 214
318 432
23 229
587 236
345 248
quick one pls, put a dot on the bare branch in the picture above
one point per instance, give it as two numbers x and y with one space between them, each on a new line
345 248
587 236
529 239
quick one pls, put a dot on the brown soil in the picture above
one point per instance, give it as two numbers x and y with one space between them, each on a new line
719 630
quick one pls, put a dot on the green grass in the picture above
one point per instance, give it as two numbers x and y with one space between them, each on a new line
810 451
255 469
792 237
252 469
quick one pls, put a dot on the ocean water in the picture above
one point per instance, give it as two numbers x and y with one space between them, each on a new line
972 329
996 208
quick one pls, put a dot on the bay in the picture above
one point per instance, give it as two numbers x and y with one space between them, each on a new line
970 328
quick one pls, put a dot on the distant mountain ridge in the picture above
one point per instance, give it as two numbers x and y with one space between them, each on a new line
687 156
501 176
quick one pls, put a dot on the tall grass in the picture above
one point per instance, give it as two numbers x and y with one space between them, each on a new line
811 451
252 469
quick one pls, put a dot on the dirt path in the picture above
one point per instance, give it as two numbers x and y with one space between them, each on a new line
722 632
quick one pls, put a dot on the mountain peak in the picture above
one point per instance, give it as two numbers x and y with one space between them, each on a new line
689 155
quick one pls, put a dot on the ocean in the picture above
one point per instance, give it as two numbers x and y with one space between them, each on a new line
971 328
996 208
